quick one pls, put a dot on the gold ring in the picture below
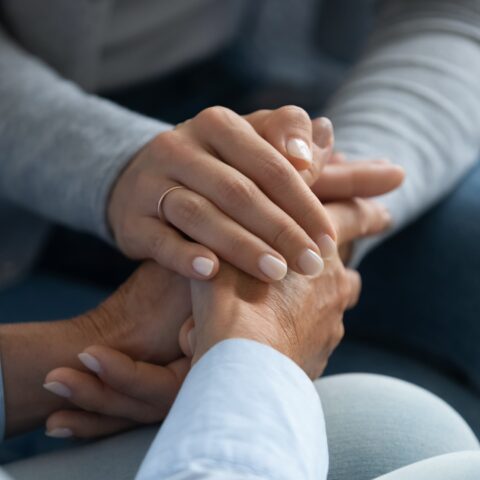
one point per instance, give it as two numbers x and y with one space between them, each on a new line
162 198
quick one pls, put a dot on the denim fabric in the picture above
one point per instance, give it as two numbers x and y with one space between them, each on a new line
374 424
377 424
419 314
455 466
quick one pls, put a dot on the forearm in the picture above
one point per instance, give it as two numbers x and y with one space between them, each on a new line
415 98
62 149
28 353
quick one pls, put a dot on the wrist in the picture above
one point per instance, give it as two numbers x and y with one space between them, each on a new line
119 196
242 325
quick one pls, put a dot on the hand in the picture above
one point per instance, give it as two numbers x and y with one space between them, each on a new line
341 179
301 317
244 200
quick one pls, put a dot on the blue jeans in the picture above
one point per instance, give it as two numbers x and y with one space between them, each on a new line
419 314
375 426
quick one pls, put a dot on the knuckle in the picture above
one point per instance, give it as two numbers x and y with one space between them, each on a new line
312 212
238 192
216 115
295 115
277 173
285 235
189 210
238 243
167 143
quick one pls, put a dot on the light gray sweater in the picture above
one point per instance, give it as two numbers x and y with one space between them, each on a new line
414 97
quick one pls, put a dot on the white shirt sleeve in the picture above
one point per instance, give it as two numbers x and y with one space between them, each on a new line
415 98
245 411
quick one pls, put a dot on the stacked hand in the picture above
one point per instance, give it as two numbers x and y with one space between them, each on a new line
247 196
301 317
254 185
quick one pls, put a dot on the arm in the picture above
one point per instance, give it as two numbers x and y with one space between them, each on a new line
415 98
28 352
62 149
142 318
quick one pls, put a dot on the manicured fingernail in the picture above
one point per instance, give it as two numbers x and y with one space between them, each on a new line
327 246
58 389
272 267
297 148
59 433
324 138
203 266
90 362
310 263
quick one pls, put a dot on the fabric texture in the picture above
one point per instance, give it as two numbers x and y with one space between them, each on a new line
414 98
237 390
373 420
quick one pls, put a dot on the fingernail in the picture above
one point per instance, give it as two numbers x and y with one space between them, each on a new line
191 341
58 389
203 266
90 362
297 148
327 246
59 433
325 136
272 267
310 263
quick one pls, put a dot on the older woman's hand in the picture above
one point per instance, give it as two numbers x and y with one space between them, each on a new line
300 316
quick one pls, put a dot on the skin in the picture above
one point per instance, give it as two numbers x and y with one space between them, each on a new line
142 319
299 316
246 196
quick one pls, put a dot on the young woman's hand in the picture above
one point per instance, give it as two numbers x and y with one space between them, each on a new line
242 199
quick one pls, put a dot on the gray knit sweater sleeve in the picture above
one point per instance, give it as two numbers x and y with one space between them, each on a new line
61 149
415 98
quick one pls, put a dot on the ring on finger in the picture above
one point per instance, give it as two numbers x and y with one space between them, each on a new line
162 199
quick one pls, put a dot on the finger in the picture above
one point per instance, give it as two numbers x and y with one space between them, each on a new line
186 338
204 222
152 384
168 248
89 393
357 179
323 141
355 286
80 424
237 144
358 218
289 130
337 157
238 198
